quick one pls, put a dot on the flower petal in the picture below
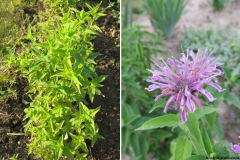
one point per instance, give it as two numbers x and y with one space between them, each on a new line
152 87
168 102
163 94
235 147
183 116
183 103
190 104
216 86
207 94
197 101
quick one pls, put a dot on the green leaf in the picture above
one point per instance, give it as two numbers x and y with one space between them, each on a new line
159 104
159 122
173 149
43 84
125 135
159 134
206 140
144 150
220 149
129 119
197 157
183 149
94 111
217 129
87 30
205 110
134 140
195 134
227 73
67 152
231 97
50 144
211 118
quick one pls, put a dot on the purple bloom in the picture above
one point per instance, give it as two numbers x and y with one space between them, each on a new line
183 80
235 147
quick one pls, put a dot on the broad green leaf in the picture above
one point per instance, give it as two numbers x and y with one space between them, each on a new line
199 149
217 129
183 149
220 149
159 104
159 122
67 152
205 110
159 134
231 97
87 30
211 118
195 134
197 157
206 140
172 149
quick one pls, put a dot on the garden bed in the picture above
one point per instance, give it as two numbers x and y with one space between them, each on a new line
12 109
199 16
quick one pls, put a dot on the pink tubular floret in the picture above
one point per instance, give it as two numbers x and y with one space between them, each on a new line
183 80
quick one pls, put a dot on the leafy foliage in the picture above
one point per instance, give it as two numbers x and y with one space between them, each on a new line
137 48
164 14
217 5
58 62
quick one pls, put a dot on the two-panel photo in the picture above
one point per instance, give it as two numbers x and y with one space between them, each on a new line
119 79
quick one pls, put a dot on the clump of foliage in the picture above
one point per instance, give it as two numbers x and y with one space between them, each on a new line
225 45
137 47
217 5
164 14
58 61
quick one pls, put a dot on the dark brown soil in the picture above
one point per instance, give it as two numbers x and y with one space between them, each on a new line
108 118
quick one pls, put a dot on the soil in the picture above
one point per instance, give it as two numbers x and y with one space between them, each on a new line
108 118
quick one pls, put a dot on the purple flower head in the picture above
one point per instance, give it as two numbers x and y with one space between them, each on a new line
183 80
235 147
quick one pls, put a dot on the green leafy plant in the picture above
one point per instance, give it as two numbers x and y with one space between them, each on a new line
180 80
164 14
58 62
217 5
137 47
116 13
